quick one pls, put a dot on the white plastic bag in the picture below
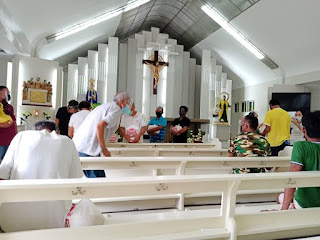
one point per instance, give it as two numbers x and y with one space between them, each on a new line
84 213
154 126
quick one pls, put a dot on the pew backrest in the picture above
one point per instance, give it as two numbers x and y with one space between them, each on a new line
228 224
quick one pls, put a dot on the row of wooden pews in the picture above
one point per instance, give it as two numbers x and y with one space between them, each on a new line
228 222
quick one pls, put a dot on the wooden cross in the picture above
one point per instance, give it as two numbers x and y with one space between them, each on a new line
156 64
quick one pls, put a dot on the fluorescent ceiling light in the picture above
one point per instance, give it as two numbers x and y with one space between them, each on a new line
232 31
91 22
133 4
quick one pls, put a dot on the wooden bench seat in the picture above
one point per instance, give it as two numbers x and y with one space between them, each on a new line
229 224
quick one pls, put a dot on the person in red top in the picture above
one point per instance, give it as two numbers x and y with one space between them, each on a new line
7 129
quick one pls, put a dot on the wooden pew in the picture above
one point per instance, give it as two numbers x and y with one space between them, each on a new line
227 225
116 167
167 152
215 144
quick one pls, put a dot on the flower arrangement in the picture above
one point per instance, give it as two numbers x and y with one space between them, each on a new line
46 115
195 138
26 114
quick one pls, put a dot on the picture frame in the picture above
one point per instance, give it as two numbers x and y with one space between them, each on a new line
236 107
243 106
250 106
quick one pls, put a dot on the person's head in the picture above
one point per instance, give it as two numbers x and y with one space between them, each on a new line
253 114
48 125
274 103
311 125
183 110
298 114
73 106
84 105
122 99
159 111
4 94
249 124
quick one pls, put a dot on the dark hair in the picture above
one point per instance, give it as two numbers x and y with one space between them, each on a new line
184 107
274 102
49 125
73 104
252 121
5 104
252 113
84 104
3 87
311 122
161 108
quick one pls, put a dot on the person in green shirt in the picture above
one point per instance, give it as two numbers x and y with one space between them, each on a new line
305 157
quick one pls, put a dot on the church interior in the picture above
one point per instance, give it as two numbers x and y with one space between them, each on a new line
223 59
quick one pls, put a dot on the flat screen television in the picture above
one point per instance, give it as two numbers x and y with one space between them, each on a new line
294 101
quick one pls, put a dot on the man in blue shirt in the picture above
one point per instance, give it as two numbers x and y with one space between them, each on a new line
157 133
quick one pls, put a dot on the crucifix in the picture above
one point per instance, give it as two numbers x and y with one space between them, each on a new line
156 64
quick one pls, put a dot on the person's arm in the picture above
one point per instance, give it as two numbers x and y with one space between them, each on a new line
123 133
70 131
6 124
100 135
138 136
266 130
155 129
182 130
232 148
295 122
57 121
289 192
231 154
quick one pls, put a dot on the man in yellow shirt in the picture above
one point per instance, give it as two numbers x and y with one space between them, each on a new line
277 123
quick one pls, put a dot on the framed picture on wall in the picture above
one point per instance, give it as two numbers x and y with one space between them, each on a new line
236 107
250 106
243 106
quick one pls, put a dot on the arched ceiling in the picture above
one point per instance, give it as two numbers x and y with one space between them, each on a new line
181 19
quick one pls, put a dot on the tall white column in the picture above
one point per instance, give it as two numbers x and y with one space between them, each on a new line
82 78
112 73
72 92
123 65
185 80
192 87
177 94
102 72
131 70
205 79
92 67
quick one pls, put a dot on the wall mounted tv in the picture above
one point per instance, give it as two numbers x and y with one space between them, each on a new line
293 101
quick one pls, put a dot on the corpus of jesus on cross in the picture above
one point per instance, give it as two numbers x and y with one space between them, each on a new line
156 64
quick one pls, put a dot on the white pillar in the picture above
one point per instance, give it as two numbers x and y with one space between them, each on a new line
205 79
72 82
112 72
132 61
177 90
192 87
82 78
92 67
102 72
123 65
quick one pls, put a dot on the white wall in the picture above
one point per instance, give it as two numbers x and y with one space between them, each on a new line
3 69
261 95
26 67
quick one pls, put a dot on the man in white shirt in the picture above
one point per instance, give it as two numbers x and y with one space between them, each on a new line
133 126
39 154
77 119
99 125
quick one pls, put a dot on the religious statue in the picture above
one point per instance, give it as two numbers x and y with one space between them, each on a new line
223 106
37 92
25 91
37 84
92 96
156 64
49 95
